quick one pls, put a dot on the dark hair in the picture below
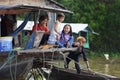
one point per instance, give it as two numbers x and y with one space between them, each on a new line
70 29
43 17
60 15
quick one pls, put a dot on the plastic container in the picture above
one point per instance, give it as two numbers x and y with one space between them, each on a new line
6 43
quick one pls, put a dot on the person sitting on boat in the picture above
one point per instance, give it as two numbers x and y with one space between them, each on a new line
42 26
66 39
76 54
55 32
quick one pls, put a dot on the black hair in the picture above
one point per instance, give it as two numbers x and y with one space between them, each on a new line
70 29
43 17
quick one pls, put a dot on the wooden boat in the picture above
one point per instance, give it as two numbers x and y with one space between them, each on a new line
19 70
22 61
16 67
67 74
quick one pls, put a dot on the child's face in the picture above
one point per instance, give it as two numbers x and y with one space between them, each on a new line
80 42
44 22
61 19
66 29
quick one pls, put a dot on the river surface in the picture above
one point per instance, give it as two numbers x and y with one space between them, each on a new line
101 65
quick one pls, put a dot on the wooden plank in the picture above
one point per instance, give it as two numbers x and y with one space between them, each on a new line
44 52
14 11
23 2
51 50
38 52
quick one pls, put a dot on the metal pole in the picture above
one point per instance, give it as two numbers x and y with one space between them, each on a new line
0 25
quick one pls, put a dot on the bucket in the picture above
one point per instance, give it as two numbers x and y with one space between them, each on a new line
5 43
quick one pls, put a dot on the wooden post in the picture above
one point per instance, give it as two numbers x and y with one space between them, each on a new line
0 26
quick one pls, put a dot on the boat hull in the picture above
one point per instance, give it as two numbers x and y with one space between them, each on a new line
16 70
63 74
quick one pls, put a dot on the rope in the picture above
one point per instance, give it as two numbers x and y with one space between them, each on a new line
9 58
40 73
15 67
4 64
83 69
43 59
51 65
67 57
11 71
10 62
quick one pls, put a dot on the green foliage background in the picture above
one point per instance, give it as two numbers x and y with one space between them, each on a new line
103 16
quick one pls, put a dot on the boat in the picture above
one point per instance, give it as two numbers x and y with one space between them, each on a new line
16 70
13 64
17 64
68 74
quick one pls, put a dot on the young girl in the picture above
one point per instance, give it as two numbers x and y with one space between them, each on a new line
42 26
56 29
66 39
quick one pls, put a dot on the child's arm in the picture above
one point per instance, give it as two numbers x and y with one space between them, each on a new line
87 64
85 59
70 42
56 27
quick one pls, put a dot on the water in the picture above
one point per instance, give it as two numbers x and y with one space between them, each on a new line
111 67
101 65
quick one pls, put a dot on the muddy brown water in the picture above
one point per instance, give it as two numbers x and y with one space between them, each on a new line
110 67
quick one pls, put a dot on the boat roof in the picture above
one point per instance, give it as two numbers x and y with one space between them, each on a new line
22 6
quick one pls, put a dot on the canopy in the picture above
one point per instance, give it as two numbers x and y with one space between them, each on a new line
22 6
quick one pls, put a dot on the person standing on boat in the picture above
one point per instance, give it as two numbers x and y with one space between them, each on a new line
42 26
66 39
76 55
55 32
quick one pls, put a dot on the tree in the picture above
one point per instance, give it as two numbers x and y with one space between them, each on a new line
102 15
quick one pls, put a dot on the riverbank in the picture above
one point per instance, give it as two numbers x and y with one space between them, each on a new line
102 54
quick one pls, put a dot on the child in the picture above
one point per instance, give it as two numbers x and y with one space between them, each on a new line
60 19
76 55
42 26
56 29
66 39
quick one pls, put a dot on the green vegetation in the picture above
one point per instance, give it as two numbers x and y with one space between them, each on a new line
103 16
101 54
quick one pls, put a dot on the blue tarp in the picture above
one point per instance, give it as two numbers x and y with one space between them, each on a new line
21 27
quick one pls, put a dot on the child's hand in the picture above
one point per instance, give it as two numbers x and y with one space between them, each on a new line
68 44
57 37
76 44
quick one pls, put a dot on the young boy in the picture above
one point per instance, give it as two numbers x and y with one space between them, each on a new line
75 55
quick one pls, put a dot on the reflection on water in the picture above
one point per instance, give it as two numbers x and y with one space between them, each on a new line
106 68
